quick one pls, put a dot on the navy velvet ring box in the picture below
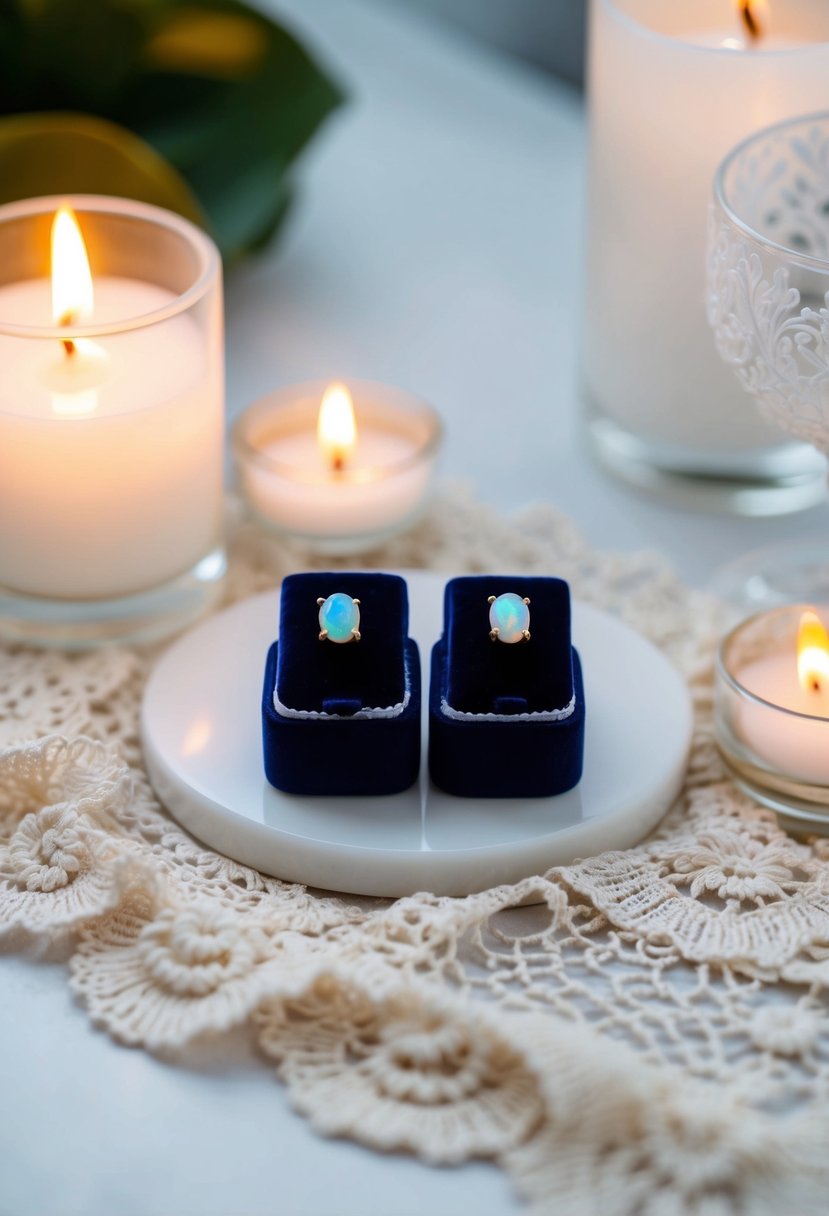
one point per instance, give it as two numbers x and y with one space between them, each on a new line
343 719
504 720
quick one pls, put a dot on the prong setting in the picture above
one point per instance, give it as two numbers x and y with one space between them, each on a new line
339 618
509 618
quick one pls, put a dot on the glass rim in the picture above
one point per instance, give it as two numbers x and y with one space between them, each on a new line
207 253
677 40
248 453
793 255
726 676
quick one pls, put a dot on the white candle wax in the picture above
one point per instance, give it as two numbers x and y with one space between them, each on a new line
667 103
308 496
110 462
794 747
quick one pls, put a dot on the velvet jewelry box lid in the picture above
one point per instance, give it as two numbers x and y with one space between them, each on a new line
506 720
342 719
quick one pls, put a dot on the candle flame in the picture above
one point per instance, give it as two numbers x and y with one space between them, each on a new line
73 297
336 425
749 11
812 653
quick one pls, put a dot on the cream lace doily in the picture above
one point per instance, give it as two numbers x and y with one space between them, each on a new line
649 1038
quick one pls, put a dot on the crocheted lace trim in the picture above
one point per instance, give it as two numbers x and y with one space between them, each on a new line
649 1038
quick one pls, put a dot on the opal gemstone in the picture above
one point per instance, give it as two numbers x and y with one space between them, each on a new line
510 616
339 617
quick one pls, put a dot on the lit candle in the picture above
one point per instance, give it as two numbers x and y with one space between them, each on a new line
337 469
752 32
797 681
111 402
673 86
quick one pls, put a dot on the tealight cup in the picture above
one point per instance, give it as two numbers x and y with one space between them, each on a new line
772 713
336 480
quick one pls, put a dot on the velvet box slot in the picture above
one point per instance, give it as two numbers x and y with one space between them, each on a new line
506 721
342 719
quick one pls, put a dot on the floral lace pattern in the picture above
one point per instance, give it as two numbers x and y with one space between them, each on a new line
767 301
777 345
640 1032
411 1075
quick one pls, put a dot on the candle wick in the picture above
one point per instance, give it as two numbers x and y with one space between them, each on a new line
67 343
750 19
815 684
338 463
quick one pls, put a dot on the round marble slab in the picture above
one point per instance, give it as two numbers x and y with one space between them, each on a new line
201 732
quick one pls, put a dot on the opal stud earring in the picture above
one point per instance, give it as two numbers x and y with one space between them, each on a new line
339 618
509 618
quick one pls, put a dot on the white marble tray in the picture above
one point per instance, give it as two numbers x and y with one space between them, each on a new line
202 744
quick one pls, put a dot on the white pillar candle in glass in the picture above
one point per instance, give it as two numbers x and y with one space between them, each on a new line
672 87
111 420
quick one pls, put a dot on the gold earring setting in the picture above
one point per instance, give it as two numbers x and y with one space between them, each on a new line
509 618
339 618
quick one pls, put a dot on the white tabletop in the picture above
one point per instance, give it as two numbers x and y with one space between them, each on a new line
437 246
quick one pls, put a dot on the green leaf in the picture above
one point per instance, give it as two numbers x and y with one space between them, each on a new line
225 94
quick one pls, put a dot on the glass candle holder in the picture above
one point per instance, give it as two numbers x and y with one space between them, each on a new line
369 479
772 713
768 274
673 86
767 292
111 421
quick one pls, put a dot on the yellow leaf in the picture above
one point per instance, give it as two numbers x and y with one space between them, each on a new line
201 43
78 154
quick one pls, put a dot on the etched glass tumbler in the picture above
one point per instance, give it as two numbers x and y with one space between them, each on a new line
768 307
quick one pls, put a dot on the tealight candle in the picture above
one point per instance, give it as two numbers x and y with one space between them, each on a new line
772 712
339 466
111 420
